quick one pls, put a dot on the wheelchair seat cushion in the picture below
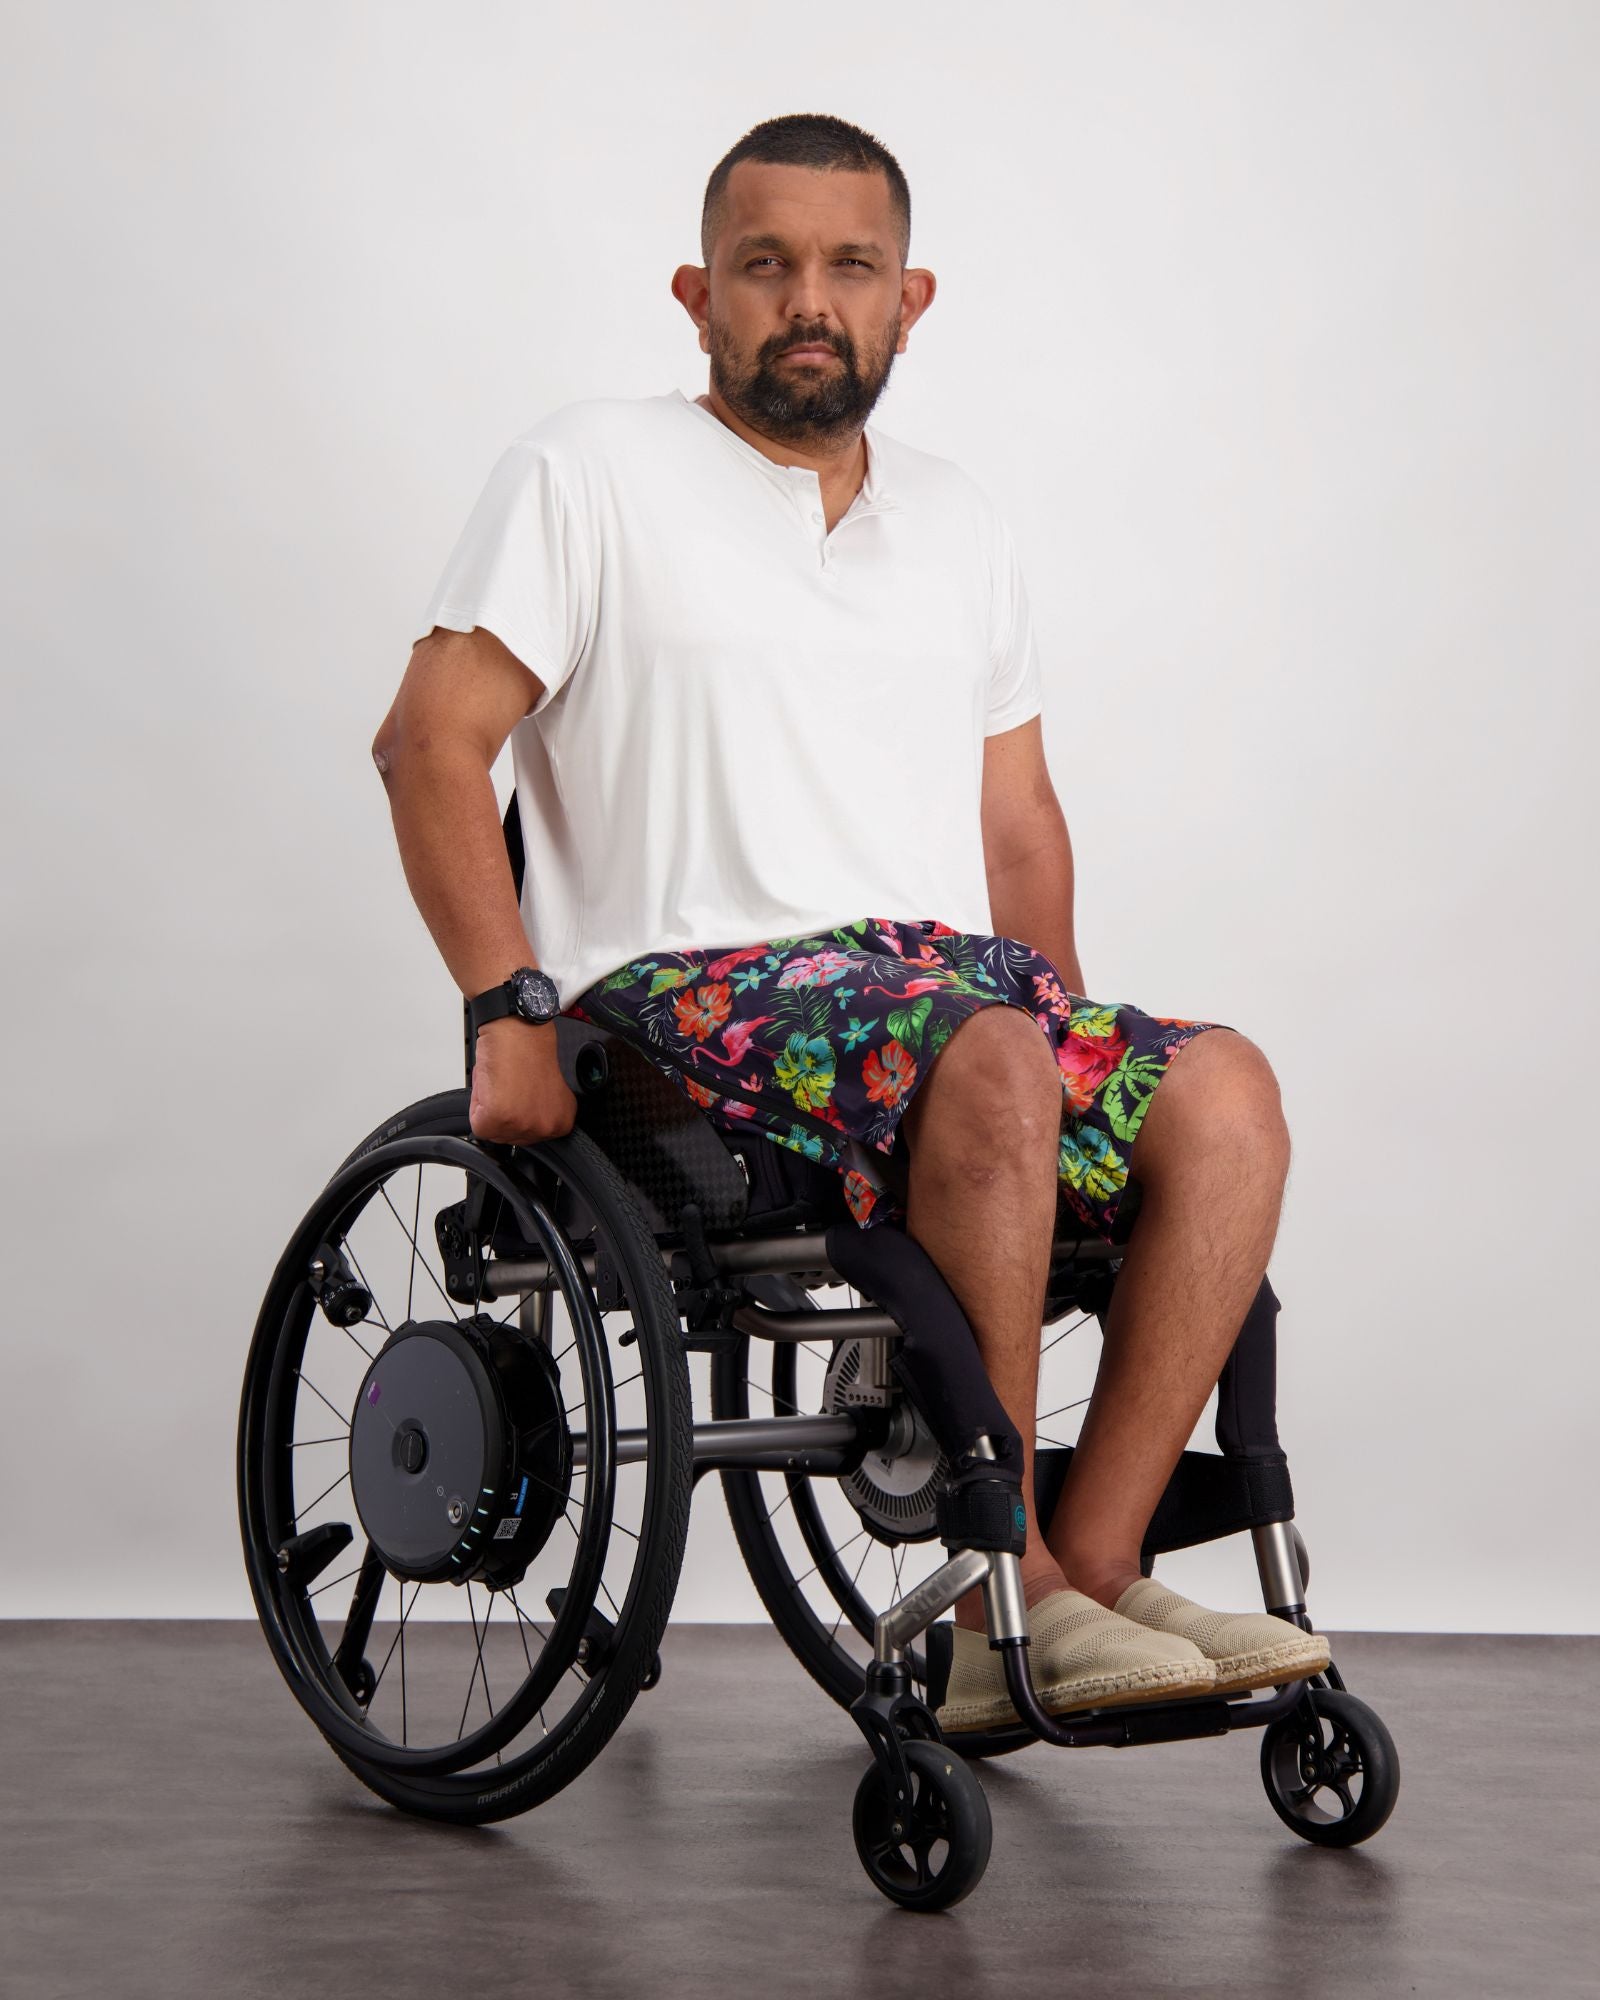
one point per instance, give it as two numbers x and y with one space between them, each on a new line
819 1042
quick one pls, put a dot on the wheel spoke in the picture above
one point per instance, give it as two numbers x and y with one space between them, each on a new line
405 1612
416 1222
1082 1320
860 1566
400 1589
777 1401
839 1551
477 1670
301 1512
303 1377
521 1621
332 1581
1078 1405
416 1252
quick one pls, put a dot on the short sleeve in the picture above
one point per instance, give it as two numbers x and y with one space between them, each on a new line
1015 684
521 569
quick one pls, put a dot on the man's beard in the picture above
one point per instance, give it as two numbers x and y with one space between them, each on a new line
793 404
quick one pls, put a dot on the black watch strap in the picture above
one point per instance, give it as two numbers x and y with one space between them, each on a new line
500 1001
494 1005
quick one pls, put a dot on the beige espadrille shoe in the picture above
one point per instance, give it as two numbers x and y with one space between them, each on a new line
1080 1655
1249 1649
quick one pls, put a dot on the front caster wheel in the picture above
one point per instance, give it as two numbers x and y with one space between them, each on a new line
1331 1769
927 1855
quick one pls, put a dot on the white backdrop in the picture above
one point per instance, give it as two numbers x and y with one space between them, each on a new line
1271 329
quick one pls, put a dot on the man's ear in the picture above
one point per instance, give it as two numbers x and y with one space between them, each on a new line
691 287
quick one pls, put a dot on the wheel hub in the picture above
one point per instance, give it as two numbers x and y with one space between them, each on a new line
460 1455
897 1484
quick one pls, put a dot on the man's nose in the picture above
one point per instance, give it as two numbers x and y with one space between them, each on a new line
807 302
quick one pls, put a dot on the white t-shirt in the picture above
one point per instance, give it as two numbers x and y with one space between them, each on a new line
750 727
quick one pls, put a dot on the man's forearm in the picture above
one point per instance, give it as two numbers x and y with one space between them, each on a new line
1031 899
453 851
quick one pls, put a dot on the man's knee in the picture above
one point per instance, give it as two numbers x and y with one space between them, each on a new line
1220 1090
997 1071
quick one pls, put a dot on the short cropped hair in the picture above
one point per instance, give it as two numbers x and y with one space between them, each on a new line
807 139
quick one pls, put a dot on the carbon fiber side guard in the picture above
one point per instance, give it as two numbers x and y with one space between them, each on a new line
937 1361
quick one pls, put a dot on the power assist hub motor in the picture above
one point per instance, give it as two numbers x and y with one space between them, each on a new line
460 1455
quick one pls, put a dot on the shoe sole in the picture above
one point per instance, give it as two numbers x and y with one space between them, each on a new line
1066 1697
1272 1667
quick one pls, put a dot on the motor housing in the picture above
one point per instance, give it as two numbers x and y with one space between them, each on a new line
460 1454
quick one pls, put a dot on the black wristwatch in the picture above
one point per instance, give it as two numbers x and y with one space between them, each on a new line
528 993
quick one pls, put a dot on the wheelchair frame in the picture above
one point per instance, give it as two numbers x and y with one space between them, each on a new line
744 1228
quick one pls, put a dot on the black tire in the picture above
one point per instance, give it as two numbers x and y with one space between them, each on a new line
511 1779
948 1810
1335 1748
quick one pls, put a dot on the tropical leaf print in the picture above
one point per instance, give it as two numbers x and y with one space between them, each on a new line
1128 1092
798 1140
1091 1164
906 1023
837 1027
625 975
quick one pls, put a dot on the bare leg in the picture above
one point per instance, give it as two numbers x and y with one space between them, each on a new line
1212 1154
984 1131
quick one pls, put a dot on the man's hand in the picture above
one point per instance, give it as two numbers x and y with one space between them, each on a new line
518 1092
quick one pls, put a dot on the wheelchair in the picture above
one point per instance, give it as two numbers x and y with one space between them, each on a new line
467 1452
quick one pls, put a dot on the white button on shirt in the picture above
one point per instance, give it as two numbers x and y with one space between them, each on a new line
745 732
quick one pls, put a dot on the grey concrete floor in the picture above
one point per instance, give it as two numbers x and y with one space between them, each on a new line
173 1825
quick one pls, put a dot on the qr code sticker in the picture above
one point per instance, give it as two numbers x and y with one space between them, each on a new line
507 1528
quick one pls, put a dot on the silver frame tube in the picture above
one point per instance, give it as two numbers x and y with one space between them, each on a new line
916 1611
757 1444
792 1251
1279 1566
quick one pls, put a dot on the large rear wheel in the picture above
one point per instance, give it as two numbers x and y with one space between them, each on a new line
461 1577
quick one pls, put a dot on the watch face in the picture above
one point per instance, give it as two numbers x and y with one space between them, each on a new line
535 995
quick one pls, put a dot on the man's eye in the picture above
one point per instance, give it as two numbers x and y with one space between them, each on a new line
843 260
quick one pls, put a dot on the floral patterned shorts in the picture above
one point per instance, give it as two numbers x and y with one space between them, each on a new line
819 1042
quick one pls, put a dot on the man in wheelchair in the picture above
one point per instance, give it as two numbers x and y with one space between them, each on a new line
774 699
